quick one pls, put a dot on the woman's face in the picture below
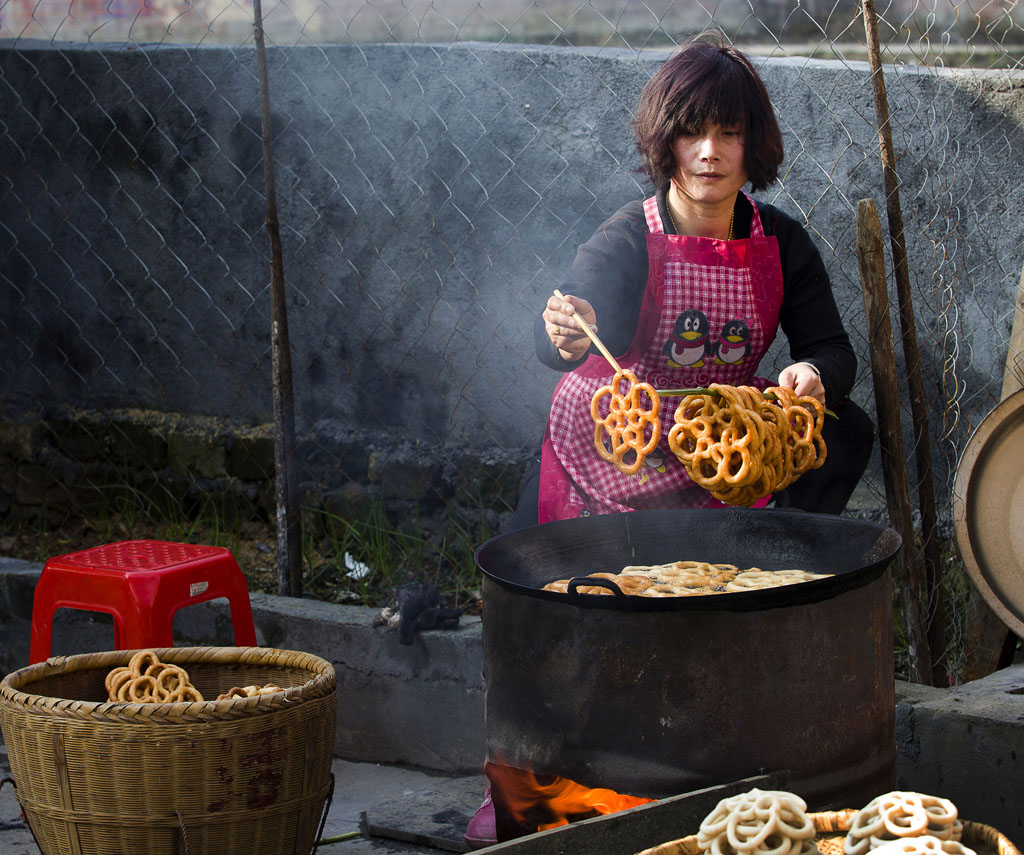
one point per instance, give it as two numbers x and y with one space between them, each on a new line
709 165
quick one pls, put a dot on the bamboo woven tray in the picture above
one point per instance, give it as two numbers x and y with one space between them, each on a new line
832 827
206 778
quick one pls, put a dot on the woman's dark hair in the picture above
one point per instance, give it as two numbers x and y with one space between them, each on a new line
707 81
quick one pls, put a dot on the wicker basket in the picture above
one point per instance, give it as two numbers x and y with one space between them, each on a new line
833 825
207 778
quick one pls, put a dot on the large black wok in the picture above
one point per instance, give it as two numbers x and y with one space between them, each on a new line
655 696
856 551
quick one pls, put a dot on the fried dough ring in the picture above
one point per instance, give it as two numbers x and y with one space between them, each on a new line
559 586
664 589
633 585
268 689
598 589
116 675
897 815
141 689
184 692
141 661
249 691
626 425
233 692
759 822
122 677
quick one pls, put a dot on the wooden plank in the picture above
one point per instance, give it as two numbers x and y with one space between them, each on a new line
933 598
912 588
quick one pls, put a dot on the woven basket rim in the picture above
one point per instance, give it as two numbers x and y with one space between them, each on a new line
323 681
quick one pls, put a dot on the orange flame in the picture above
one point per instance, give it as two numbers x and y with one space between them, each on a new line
554 802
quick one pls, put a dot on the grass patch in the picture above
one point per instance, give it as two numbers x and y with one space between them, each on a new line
353 561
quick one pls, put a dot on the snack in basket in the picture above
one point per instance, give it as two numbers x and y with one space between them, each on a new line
147 680
740 444
758 822
898 815
926 844
249 691
688 579
628 426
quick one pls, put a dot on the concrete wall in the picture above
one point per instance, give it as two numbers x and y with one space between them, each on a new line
431 197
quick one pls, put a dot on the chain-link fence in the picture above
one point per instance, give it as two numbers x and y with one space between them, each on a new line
437 165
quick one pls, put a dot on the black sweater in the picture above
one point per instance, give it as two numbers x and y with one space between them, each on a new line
610 272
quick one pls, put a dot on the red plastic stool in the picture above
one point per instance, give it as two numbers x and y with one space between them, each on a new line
142 583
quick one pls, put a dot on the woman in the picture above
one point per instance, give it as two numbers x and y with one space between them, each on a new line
689 288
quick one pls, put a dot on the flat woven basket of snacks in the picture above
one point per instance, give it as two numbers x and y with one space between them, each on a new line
896 823
198 750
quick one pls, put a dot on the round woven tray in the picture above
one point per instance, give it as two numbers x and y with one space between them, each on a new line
207 778
833 825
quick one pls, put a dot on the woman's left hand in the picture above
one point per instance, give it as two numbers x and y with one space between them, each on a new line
804 379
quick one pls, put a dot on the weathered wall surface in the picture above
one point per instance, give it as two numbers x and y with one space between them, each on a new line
431 197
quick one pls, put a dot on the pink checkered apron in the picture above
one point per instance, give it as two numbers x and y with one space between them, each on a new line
710 311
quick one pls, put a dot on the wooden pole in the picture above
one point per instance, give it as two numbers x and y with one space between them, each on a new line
910 578
911 355
288 522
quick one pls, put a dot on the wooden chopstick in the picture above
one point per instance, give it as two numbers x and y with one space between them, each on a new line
662 393
593 335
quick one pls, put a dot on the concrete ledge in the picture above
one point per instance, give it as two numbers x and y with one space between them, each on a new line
419 705
967 744
423 704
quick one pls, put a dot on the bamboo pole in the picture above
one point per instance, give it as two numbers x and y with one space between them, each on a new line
288 521
910 577
911 356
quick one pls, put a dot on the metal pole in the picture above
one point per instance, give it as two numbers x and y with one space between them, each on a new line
911 354
289 531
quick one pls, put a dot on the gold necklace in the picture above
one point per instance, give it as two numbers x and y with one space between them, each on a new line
675 225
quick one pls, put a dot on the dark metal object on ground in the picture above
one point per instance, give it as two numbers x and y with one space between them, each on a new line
657 696
421 606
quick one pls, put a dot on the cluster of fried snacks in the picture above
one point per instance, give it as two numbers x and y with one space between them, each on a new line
147 680
741 445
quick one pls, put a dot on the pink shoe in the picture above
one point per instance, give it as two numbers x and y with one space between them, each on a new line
481 831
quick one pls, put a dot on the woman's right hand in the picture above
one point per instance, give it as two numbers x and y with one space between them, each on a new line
563 330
